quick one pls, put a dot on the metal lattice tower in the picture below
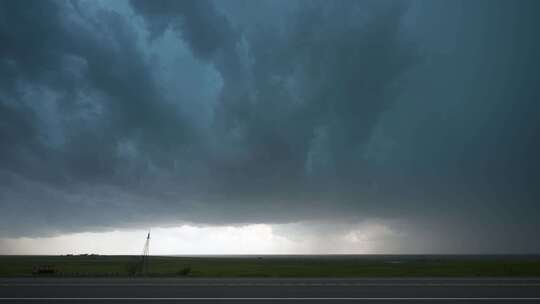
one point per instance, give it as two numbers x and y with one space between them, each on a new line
145 255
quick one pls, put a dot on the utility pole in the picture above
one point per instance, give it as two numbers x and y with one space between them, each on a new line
145 255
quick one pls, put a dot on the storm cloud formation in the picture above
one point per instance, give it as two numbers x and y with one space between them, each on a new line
166 112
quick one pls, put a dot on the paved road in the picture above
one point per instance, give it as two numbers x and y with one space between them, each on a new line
201 291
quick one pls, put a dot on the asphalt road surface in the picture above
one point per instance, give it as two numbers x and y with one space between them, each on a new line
201 291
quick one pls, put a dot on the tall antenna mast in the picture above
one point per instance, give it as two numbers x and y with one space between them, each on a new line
145 255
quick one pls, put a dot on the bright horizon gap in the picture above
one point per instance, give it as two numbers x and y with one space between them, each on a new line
208 240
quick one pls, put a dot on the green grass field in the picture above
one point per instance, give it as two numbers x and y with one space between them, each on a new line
279 266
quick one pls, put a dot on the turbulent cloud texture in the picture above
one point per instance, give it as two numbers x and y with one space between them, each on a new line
122 114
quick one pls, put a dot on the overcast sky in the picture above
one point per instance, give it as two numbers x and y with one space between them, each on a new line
270 126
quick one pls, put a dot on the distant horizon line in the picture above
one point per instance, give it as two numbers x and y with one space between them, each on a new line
288 255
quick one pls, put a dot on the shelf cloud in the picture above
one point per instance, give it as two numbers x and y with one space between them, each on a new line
162 113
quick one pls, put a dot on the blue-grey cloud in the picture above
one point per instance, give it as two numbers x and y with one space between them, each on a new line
159 112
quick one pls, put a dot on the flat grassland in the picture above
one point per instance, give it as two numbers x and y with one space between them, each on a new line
279 266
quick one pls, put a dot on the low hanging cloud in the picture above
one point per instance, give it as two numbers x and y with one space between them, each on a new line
166 112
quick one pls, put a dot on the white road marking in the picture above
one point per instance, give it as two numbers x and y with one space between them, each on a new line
272 284
274 299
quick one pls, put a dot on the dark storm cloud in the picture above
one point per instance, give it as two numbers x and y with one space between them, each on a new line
297 113
101 82
481 133
342 110
89 70
206 31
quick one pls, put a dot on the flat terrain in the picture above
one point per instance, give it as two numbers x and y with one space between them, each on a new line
269 290
347 266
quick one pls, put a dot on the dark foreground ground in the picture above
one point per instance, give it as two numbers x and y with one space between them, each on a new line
352 266
282 290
